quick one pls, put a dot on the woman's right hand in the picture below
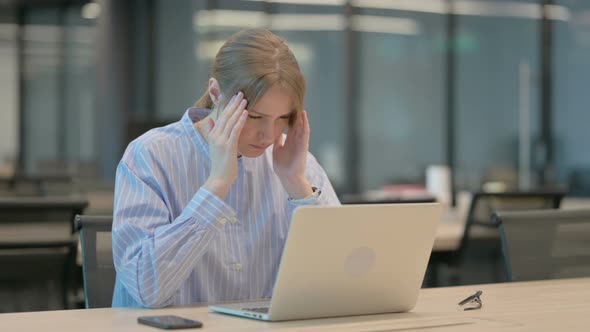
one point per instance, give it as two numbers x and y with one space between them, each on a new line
223 145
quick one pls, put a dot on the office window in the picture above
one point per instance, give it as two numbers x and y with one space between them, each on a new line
41 95
571 73
9 121
190 33
401 94
316 35
497 82
80 84
59 76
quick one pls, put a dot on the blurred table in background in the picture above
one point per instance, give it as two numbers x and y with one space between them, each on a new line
391 194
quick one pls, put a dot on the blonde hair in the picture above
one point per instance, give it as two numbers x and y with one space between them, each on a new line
253 61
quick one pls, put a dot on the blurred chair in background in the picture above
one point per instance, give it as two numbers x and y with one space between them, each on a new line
97 260
36 185
59 179
37 251
79 169
579 182
540 244
478 257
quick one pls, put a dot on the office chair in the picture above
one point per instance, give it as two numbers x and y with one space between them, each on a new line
97 260
37 243
579 182
36 186
481 234
539 245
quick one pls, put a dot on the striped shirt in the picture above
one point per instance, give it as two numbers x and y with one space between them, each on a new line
175 243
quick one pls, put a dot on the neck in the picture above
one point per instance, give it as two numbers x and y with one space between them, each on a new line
202 127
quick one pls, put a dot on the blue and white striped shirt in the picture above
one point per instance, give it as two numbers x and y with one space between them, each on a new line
175 243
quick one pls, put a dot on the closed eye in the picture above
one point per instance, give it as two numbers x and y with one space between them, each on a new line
284 117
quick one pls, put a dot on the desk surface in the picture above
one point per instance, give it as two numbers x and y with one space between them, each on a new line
559 305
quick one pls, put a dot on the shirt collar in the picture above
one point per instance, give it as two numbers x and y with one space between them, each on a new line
191 116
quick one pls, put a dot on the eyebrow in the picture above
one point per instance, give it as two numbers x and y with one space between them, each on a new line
262 114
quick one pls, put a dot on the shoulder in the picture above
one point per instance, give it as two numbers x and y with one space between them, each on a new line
313 165
155 144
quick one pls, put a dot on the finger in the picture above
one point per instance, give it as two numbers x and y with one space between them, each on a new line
218 110
294 131
306 128
278 143
291 134
223 114
229 111
237 129
278 146
231 122
219 113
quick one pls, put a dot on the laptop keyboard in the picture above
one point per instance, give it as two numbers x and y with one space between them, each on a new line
262 310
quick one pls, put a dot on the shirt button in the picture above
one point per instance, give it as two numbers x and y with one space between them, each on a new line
222 220
233 220
237 266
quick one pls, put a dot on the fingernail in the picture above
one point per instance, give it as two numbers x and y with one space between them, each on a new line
240 94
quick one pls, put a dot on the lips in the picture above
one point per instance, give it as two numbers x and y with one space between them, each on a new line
258 147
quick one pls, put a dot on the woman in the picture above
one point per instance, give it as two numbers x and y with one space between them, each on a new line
203 205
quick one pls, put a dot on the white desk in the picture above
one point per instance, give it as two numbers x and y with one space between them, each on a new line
560 305
449 231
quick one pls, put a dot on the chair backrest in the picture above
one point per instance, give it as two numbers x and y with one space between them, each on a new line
38 222
484 204
38 244
579 182
97 260
35 186
544 244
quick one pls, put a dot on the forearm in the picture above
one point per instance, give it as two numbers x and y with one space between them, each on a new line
317 178
218 187
154 267
297 187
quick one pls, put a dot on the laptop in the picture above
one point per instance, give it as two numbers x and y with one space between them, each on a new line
348 260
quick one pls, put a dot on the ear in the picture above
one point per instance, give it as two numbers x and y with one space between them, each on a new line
214 91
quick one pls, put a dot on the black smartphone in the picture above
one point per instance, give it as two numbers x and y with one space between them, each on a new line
169 322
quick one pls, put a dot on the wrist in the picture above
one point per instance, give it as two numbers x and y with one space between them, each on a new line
297 187
309 200
218 187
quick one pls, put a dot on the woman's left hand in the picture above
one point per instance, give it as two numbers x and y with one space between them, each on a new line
290 158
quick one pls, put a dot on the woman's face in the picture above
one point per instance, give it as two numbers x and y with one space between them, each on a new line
266 121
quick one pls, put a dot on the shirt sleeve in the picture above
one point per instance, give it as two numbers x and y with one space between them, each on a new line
153 254
317 177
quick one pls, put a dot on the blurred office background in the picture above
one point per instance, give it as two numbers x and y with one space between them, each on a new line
393 85
495 90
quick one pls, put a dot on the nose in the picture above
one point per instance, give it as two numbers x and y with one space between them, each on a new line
266 132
